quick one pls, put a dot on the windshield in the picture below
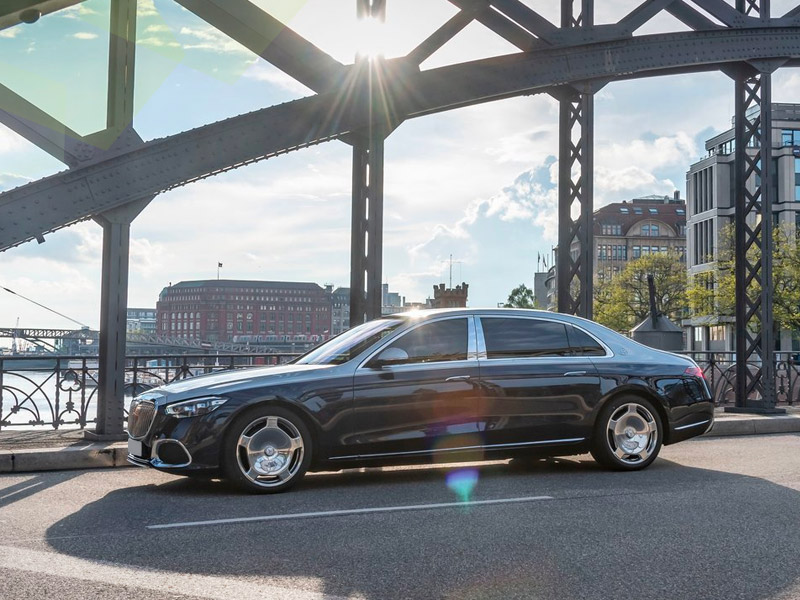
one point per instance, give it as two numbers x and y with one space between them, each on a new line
351 343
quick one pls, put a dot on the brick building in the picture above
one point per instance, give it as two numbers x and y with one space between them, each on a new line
450 297
245 311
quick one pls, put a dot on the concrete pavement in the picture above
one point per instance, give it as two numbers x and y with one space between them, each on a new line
713 518
32 451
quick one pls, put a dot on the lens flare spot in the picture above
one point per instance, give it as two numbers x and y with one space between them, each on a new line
462 482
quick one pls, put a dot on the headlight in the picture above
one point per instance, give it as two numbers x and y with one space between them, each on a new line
195 407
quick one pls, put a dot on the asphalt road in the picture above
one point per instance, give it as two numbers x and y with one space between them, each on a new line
711 518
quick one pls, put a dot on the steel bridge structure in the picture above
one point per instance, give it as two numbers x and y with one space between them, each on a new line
113 174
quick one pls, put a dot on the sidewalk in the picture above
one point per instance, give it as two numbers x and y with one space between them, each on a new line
29 451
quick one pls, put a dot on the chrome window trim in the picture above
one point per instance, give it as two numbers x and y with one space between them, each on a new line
472 352
461 448
693 425
156 462
483 355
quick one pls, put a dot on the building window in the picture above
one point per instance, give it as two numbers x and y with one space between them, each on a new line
637 252
654 231
653 211
624 210
646 230
637 210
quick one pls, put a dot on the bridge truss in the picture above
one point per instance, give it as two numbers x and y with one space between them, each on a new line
113 174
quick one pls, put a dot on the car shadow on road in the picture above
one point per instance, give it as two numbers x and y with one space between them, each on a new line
671 531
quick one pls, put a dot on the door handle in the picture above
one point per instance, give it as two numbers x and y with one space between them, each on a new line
458 378
574 373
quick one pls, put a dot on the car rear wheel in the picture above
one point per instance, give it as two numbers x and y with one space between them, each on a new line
267 450
628 434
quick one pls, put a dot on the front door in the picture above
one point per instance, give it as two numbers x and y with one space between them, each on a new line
425 401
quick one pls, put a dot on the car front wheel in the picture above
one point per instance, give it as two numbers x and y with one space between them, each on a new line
628 434
267 450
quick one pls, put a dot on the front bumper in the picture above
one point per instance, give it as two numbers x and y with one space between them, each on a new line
180 445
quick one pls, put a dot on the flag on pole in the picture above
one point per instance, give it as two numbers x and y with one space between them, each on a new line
219 265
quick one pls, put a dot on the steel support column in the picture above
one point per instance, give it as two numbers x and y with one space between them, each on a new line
754 194
366 242
366 252
116 226
575 186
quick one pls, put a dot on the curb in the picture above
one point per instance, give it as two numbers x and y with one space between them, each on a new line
99 455
754 426
89 456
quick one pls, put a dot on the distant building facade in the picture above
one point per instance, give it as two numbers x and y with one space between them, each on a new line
245 311
709 185
625 231
340 310
141 320
450 297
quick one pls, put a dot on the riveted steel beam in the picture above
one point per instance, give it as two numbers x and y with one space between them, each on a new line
754 194
39 127
137 172
575 185
14 12
270 39
121 65
366 242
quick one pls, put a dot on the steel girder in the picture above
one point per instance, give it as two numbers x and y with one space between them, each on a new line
366 231
754 194
575 184
132 171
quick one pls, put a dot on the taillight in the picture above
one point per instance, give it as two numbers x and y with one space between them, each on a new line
695 372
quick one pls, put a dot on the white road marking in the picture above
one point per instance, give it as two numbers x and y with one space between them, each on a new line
352 511
168 583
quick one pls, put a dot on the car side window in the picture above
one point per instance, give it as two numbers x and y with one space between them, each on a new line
524 338
583 344
435 342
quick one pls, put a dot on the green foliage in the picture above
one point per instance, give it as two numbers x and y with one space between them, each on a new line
521 297
714 292
624 301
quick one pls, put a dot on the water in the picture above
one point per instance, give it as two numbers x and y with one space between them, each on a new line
35 399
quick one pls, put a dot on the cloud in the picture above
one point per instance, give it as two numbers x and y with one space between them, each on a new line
84 35
11 32
77 11
157 28
212 40
9 140
146 8
265 72
157 42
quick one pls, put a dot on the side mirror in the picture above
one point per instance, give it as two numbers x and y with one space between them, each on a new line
390 356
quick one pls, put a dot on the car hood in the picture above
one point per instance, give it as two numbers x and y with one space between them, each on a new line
229 381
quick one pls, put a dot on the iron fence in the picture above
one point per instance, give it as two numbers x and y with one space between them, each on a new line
61 392
720 372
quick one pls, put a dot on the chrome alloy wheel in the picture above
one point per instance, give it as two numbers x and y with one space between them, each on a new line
270 451
632 433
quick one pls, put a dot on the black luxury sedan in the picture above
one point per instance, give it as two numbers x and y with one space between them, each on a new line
440 385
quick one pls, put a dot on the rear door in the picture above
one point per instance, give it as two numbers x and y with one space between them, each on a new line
536 386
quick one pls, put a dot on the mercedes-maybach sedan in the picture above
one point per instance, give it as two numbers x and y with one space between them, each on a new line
441 385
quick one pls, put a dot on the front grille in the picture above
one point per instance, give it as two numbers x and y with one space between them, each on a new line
140 417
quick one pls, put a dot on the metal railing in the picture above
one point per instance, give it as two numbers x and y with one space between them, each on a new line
61 392
720 372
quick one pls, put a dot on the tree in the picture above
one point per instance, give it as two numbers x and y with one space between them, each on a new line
521 297
624 301
714 292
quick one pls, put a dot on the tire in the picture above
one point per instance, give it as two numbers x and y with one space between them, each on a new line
266 450
628 434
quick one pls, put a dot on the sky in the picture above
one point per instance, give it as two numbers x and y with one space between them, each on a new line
476 183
